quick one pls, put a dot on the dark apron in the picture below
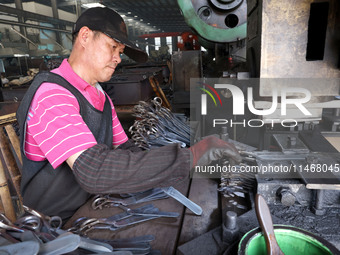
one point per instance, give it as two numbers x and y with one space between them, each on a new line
56 191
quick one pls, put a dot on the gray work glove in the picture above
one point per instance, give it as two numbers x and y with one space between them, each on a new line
212 148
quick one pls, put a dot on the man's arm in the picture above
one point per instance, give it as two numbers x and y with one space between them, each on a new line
129 145
70 161
102 170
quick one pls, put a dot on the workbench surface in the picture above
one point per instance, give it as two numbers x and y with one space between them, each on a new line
169 233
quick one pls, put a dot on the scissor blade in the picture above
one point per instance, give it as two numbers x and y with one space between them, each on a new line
174 193
94 246
61 245
145 196
134 220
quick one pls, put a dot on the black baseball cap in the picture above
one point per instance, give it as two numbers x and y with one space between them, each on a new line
111 24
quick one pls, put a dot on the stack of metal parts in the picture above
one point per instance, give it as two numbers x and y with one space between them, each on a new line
157 126
238 182
235 188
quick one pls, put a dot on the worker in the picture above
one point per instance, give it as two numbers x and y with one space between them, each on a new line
72 142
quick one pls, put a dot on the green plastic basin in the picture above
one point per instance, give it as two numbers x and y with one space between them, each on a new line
292 241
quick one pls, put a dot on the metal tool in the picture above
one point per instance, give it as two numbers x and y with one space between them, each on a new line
28 247
153 194
265 219
128 199
36 228
99 224
157 126
10 227
131 216
61 245
137 245
51 223
90 244
30 222
171 191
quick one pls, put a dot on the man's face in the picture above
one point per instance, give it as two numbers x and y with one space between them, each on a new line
103 56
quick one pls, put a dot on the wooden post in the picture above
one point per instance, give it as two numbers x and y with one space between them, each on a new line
6 196
10 162
14 141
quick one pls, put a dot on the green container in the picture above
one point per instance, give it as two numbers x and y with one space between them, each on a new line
292 241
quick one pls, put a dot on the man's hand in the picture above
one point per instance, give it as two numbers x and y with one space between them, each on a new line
212 148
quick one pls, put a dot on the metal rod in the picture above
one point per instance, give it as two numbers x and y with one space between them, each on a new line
18 6
11 22
56 16
16 31
49 37
33 16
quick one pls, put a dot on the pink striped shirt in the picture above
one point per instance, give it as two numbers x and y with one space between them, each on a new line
55 129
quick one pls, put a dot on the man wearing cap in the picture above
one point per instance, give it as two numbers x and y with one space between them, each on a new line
73 144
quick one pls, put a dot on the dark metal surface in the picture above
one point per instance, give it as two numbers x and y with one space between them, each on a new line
185 65
275 27
322 228
13 94
290 143
8 107
125 89
206 10
203 191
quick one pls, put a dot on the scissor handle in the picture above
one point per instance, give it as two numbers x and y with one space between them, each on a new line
33 212
10 227
55 222
30 222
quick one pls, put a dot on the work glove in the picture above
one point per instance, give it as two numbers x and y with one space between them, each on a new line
212 148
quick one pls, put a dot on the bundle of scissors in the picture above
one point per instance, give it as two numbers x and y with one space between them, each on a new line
129 217
35 233
102 201
156 126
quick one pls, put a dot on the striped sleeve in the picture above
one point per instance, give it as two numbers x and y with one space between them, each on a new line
55 129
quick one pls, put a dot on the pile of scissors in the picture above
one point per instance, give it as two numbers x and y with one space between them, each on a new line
84 225
101 201
157 126
129 217
105 201
36 233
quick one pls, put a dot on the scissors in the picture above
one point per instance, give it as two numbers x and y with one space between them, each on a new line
51 223
6 224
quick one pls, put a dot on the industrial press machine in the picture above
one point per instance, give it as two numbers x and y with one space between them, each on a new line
291 54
